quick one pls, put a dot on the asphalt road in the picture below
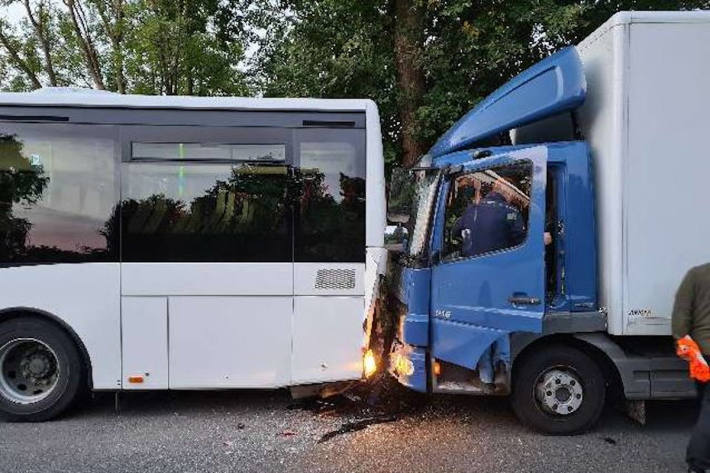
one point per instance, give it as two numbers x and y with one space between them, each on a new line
257 431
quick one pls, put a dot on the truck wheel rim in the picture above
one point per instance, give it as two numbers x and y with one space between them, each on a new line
558 391
29 370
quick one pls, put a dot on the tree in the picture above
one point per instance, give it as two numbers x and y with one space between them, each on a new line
140 46
425 62
40 17
408 48
112 14
177 48
328 48
20 51
83 31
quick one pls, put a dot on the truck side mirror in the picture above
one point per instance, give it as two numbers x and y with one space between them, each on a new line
400 196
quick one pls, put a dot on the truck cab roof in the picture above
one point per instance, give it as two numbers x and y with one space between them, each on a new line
552 86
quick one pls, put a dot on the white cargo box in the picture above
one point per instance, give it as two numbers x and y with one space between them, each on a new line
646 118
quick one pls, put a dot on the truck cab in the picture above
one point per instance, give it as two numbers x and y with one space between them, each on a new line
496 287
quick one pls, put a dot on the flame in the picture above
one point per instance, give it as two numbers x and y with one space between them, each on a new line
369 364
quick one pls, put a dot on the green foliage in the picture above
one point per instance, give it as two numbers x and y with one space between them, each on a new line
173 48
329 48
464 49
345 48
150 46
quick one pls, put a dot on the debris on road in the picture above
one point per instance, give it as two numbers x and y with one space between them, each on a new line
377 397
357 425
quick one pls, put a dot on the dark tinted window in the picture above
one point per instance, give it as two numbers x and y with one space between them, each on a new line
58 193
206 212
330 226
488 210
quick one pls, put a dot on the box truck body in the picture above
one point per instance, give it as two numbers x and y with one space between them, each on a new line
645 119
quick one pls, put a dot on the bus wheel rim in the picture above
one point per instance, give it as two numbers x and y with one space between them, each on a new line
29 370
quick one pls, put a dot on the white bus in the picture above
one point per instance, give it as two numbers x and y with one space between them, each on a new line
183 243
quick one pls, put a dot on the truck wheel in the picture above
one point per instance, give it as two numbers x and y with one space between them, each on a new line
558 390
41 370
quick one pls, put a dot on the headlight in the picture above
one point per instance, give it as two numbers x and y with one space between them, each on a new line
369 364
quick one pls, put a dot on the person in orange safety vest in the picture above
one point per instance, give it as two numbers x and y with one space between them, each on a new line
691 329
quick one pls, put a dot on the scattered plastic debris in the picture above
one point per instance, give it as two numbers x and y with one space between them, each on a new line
357 425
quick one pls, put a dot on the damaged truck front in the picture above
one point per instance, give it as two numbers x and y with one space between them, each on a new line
510 233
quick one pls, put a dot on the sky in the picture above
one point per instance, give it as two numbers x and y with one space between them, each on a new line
14 12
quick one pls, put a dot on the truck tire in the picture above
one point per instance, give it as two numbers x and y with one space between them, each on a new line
41 370
558 390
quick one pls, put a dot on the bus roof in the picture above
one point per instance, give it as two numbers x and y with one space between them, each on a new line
80 97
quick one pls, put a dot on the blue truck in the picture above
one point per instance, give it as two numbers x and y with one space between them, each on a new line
548 229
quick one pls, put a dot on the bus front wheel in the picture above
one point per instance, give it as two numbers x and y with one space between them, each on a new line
41 370
558 390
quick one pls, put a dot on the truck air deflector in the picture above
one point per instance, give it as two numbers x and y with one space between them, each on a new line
554 85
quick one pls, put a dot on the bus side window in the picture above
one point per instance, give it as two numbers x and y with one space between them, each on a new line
201 212
330 224
58 193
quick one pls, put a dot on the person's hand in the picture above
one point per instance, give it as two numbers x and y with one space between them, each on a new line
547 238
685 347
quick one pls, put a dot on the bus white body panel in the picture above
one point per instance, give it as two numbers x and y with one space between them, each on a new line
207 279
144 328
333 352
229 342
85 297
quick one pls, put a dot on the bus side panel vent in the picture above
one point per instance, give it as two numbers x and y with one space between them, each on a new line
335 279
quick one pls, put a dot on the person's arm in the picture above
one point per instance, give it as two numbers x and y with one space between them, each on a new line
456 229
517 229
682 321
458 224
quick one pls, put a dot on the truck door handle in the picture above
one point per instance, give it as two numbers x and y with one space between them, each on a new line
523 300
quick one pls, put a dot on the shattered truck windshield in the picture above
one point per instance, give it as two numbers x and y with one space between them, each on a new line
412 194
425 186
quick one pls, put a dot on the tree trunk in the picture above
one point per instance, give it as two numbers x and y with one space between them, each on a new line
19 62
41 28
76 12
408 38
112 14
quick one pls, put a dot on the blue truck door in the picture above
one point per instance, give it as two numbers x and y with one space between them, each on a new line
488 245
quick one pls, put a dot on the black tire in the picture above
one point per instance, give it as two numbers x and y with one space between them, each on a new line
568 359
70 380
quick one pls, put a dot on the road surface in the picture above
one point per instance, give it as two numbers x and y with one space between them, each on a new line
261 431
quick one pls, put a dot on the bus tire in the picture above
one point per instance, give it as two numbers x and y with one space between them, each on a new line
41 370
558 390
